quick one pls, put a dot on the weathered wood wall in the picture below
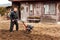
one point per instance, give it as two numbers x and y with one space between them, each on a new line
38 10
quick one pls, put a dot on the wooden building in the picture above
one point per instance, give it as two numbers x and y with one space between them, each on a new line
45 10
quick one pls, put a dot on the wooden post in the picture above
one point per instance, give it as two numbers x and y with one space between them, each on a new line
57 11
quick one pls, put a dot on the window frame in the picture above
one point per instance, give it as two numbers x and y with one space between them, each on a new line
49 9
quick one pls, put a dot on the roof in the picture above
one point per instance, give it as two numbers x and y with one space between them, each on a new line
34 0
5 5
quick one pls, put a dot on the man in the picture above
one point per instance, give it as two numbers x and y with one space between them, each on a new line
14 17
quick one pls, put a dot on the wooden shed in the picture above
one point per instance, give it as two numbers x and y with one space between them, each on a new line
45 10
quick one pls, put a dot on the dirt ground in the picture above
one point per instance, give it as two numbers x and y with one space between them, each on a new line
41 31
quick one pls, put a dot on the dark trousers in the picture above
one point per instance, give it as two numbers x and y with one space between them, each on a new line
12 25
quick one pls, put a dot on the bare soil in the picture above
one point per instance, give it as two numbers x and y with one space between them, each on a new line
41 31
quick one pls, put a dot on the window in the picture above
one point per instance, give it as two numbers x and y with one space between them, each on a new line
52 8
31 7
49 8
31 10
46 7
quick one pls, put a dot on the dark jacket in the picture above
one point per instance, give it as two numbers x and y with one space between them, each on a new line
13 15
